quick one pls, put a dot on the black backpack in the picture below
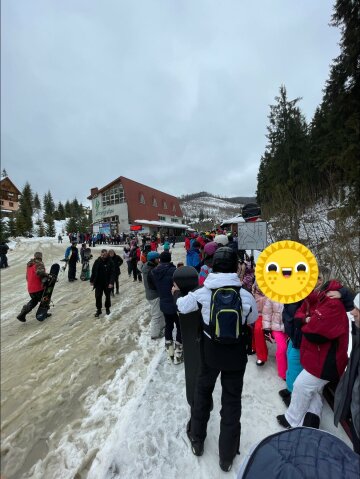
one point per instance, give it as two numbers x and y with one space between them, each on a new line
225 324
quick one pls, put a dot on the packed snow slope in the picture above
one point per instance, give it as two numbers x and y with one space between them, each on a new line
85 397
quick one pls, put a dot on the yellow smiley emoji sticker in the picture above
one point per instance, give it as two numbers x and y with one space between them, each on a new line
286 271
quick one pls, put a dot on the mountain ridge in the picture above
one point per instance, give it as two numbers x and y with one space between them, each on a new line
204 210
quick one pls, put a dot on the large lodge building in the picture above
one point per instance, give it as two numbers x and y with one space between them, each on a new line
9 197
125 205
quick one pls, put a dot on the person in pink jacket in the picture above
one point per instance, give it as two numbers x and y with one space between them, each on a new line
273 328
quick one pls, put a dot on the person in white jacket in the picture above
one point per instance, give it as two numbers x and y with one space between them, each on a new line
228 359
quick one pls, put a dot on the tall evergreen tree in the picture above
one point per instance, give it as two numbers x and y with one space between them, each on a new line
24 224
12 225
61 211
335 147
49 205
67 209
49 225
285 171
40 228
4 230
37 203
72 225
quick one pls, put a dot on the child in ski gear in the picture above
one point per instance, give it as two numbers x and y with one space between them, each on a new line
258 338
161 278
347 396
36 277
102 278
229 360
323 354
273 327
247 272
206 268
117 260
293 330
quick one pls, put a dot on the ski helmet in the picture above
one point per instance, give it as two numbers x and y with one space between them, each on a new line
221 239
225 260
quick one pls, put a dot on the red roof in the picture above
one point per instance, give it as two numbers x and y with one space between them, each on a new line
136 192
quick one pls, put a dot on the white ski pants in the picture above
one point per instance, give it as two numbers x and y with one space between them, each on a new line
157 322
306 397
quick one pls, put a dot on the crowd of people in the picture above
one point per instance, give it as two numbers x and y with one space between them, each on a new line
310 337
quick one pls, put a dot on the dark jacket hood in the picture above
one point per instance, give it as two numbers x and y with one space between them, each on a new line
162 269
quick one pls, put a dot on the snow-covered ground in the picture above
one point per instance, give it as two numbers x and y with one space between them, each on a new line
95 398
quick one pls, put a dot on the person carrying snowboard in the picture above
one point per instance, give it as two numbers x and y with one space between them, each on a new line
118 261
102 278
36 278
224 351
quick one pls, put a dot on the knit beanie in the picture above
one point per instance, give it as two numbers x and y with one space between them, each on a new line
152 255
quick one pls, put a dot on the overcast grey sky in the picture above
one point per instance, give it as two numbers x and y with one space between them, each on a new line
174 94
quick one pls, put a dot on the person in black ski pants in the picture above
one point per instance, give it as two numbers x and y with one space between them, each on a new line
102 278
118 261
227 360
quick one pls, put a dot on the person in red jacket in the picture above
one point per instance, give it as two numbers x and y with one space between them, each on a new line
323 354
36 277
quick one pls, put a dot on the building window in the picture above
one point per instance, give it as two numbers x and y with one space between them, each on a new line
11 203
174 208
165 205
162 218
1 202
141 198
154 202
113 196
174 220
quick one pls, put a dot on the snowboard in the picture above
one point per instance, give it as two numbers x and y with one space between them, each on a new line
85 270
44 305
186 278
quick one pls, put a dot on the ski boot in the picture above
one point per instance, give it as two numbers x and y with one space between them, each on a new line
170 350
178 354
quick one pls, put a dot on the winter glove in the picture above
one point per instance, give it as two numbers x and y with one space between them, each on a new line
267 334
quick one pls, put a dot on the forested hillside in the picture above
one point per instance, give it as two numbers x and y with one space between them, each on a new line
308 179
302 162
